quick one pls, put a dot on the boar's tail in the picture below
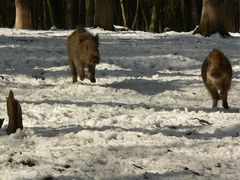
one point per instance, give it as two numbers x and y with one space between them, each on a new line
80 28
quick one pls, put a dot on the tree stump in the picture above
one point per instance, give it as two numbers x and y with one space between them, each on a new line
1 122
14 112
212 19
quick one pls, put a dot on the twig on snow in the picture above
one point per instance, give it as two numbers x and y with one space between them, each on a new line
203 122
192 171
139 167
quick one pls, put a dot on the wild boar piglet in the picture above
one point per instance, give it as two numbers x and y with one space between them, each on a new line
83 53
216 73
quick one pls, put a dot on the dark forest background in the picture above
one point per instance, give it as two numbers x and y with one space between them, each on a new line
146 15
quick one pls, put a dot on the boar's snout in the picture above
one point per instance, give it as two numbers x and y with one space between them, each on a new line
215 73
94 59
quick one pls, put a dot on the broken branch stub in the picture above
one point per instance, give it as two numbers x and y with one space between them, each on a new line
14 112
1 122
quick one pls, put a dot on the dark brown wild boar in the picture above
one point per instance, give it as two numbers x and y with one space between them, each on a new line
83 53
217 76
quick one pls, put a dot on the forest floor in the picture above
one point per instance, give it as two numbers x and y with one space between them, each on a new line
148 116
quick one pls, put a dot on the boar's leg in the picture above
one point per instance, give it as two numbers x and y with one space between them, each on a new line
214 93
91 73
73 71
81 73
223 96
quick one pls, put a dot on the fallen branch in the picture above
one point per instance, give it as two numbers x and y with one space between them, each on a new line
203 122
139 167
192 171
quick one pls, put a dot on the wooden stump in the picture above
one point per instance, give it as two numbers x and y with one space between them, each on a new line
1 122
14 112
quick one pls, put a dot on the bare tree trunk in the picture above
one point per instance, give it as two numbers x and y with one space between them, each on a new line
14 112
144 15
186 12
57 13
90 10
183 14
212 19
104 14
23 14
3 18
231 15
136 15
71 14
123 14
82 13
154 26
51 12
238 16
196 12
37 14
46 16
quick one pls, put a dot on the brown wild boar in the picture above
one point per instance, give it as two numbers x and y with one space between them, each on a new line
83 52
217 76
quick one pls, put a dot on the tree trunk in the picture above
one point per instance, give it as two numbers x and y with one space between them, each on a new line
71 14
238 16
142 8
82 13
37 14
212 19
3 14
123 14
57 13
117 13
186 12
51 12
46 16
196 12
14 112
170 16
154 26
23 14
231 21
136 15
104 14
90 10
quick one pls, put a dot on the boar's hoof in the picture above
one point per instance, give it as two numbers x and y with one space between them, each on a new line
93 80
225 106
82 77
215 102
74 79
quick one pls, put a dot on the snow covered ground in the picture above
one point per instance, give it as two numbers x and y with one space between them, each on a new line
146 117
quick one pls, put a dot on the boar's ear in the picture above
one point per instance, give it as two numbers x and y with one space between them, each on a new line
206 62
204 69
96 38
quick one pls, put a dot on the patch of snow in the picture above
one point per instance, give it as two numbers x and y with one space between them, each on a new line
146 117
